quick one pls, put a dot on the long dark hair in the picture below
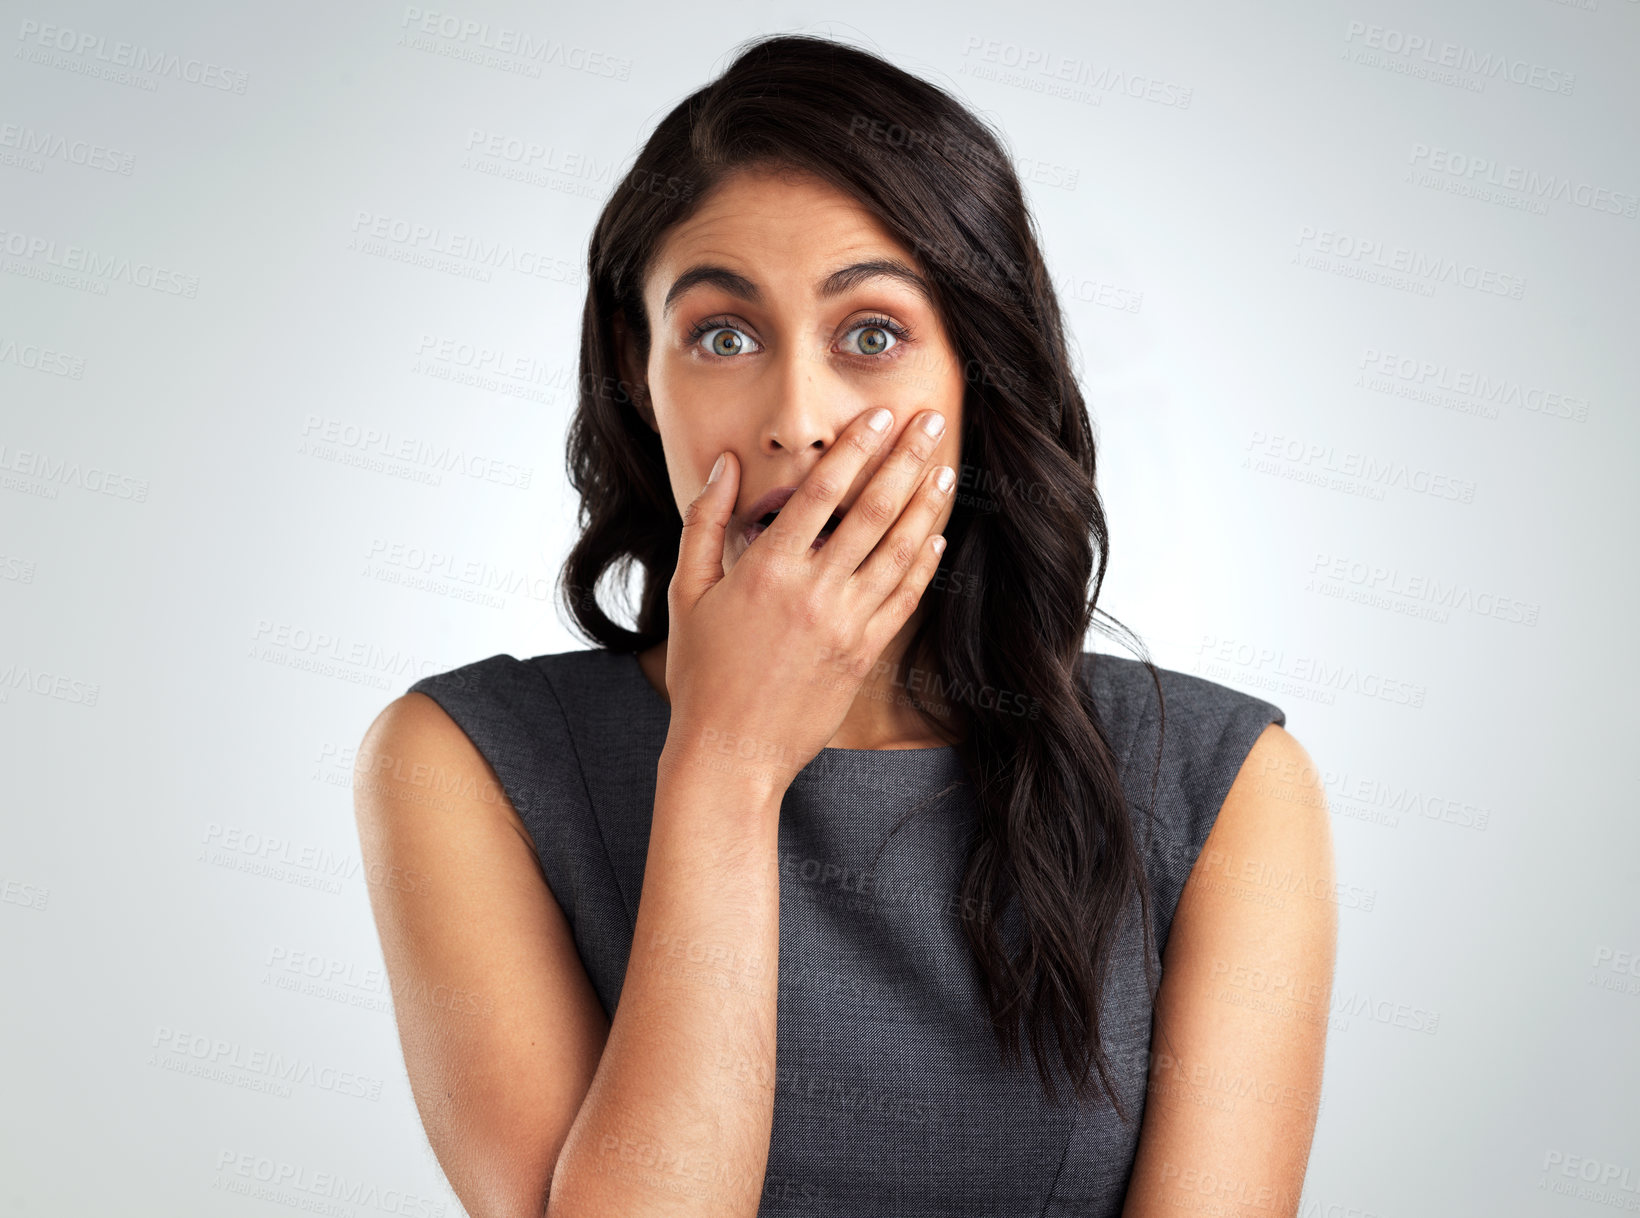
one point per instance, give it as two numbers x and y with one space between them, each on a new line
1054 829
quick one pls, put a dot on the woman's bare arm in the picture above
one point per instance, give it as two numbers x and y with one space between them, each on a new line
500 1027
679 1115
1241 1017
523 1086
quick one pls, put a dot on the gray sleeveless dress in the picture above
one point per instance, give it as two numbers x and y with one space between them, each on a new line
891 1098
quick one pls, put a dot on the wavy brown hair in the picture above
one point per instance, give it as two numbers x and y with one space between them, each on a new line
1055 831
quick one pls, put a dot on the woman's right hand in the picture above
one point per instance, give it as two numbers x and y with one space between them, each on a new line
763 663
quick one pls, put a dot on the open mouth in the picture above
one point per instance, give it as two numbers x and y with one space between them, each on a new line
756 528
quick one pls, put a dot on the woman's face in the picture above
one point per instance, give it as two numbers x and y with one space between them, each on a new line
764 341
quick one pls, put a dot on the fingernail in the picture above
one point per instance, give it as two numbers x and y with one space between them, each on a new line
880 419
718 468
945 477
934 423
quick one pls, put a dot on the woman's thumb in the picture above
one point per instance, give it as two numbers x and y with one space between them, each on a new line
705 522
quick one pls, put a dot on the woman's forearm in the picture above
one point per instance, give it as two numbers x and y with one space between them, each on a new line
678 1117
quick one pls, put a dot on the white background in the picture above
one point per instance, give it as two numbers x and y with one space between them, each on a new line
1399 507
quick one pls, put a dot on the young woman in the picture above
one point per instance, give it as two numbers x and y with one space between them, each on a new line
750 908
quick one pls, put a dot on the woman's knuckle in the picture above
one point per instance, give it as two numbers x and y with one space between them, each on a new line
914 461
765 572
821 488
814 611
863 441
878 509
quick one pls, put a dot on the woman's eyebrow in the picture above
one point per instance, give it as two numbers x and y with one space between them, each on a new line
834 284
840 281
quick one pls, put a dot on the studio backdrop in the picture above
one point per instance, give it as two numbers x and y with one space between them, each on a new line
290 301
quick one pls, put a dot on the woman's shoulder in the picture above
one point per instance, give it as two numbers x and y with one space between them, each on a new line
1139 701
507 678
510 706
1127 679
1178 750
543 705
1178 755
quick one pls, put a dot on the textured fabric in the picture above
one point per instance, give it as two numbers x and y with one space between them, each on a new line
891 1095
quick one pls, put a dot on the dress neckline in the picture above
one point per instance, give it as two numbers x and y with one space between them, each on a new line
933 751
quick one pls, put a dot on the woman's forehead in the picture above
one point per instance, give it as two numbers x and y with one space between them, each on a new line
779 218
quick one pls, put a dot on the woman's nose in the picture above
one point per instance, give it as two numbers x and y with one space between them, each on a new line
808 406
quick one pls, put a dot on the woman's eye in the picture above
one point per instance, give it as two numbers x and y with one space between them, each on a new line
874 339
726 340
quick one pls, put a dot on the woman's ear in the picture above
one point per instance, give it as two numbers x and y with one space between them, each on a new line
626 359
